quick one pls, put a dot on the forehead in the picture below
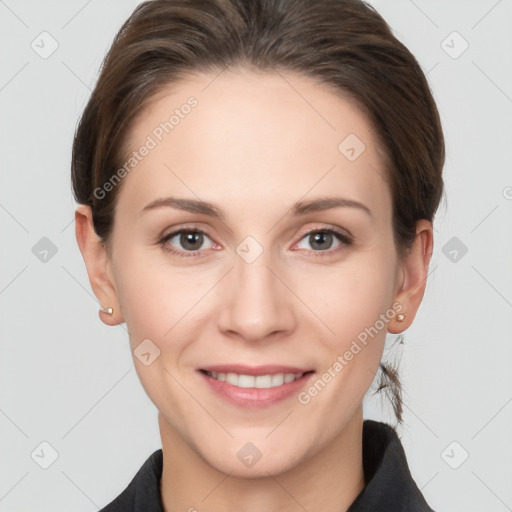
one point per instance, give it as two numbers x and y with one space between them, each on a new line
253 139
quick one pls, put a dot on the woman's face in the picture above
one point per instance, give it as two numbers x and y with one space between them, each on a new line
261 282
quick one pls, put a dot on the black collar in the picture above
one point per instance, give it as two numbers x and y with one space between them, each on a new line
389 484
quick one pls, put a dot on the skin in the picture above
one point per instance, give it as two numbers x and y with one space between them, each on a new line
254 146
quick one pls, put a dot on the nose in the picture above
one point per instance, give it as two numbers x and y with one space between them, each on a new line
258 304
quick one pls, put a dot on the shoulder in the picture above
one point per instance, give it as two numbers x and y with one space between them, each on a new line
143 491
389 483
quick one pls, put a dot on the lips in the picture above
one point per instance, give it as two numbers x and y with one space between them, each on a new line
269 369
255 387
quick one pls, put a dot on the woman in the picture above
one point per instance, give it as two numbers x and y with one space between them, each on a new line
257 182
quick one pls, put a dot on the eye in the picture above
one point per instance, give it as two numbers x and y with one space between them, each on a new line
321 240
191 240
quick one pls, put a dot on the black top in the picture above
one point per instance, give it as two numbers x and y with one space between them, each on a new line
389 484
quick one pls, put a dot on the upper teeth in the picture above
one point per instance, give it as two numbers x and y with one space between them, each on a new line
259 381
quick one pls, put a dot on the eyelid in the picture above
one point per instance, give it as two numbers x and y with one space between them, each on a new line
319 227
327 227
165 238
346 239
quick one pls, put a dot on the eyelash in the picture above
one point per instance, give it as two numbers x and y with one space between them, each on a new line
345 240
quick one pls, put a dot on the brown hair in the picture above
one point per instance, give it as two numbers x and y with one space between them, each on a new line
344 44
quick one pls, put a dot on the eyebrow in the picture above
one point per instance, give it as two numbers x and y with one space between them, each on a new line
298 208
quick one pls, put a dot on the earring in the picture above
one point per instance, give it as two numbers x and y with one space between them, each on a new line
400 317
109 311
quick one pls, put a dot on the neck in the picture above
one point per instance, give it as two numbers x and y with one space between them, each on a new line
329 481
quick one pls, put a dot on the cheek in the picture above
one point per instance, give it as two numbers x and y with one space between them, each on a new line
352 302
350 297
162 302
154 308
147 292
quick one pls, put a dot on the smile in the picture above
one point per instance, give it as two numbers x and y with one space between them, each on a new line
259 381
272 384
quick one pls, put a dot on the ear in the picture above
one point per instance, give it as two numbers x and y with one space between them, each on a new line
412 276
98 263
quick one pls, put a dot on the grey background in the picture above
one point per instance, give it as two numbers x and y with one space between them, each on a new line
68 380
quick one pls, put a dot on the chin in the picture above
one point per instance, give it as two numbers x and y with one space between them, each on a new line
261 469
253 460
